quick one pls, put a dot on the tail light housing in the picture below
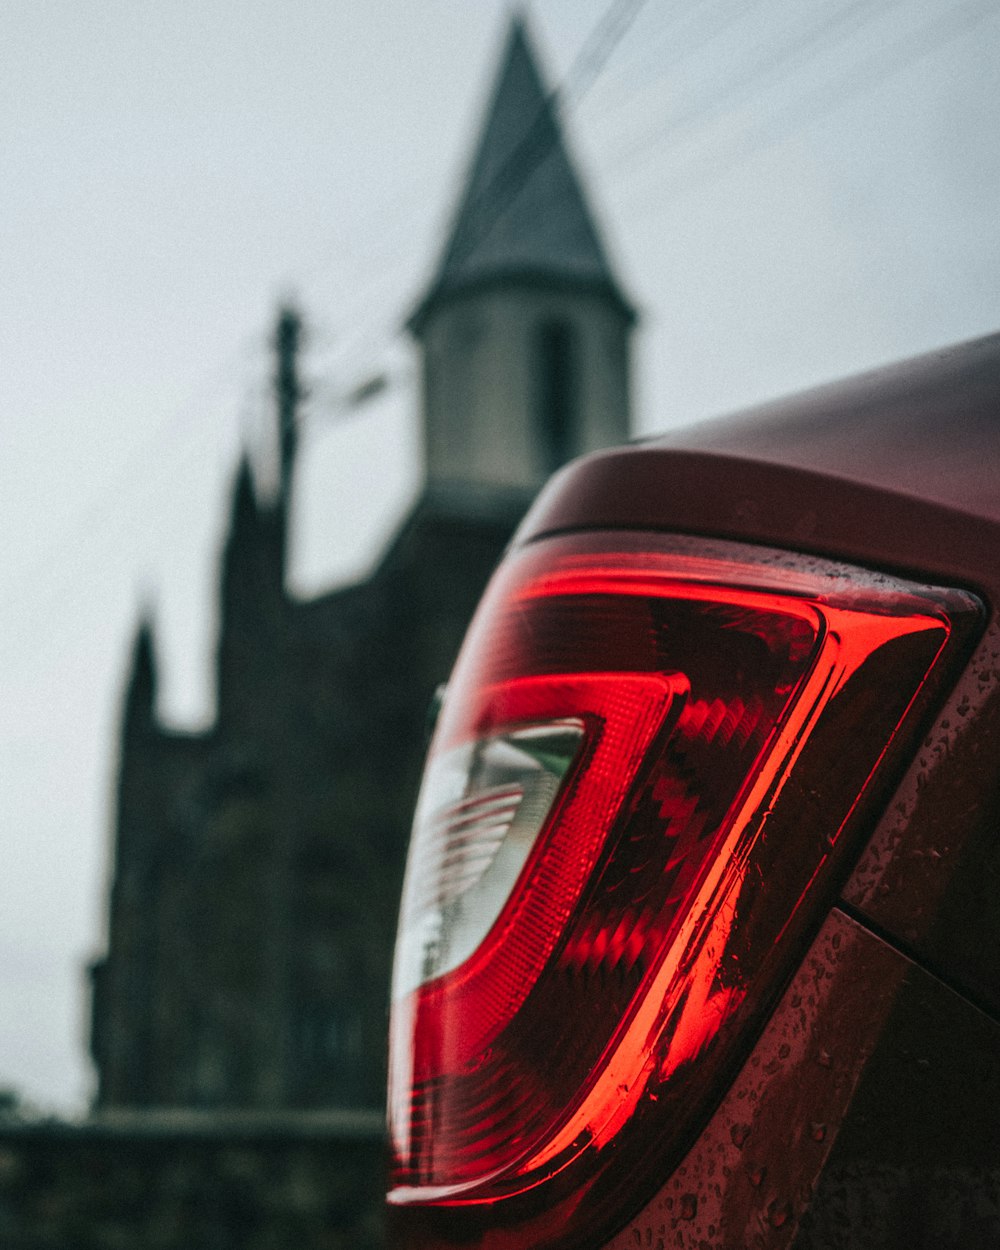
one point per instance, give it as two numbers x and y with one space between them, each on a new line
638 798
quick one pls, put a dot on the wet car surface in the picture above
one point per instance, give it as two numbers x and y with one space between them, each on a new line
762 1008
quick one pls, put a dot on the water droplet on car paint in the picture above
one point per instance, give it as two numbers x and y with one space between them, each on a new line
779 1213
689 1207
817 1132
784 1050
824 1059
739 1133
757 1176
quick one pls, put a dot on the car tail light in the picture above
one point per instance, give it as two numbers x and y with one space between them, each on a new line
636 803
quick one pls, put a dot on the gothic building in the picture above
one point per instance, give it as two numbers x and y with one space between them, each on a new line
257 866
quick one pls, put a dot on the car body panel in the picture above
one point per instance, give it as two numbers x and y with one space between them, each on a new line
814 1143
927 429
865 1112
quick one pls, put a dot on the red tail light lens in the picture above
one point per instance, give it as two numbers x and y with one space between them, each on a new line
643 769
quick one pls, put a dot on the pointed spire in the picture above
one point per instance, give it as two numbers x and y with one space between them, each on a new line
523 213
140 694
253 560
244 496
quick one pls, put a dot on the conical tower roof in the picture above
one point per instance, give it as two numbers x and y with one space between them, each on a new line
523 214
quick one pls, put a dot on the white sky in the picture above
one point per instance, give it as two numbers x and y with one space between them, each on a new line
792 191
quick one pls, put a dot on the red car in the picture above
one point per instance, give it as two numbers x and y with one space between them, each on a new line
700 938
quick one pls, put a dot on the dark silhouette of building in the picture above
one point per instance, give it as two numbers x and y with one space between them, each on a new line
257 866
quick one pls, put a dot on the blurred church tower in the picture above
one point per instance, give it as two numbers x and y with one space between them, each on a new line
524 330
257 865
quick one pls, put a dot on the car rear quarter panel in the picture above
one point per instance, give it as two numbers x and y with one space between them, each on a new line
866 1114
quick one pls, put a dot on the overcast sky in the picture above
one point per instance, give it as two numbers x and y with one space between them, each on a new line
791 191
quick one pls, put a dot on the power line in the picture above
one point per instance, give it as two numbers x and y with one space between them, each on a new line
774 67
722 16
810 107
179 429
586 68
609 31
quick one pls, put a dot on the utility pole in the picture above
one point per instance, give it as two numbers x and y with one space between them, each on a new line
288 392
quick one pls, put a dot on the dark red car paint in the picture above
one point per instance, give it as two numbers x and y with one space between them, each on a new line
868 1111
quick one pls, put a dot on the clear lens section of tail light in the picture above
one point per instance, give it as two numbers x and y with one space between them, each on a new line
481 808
638 798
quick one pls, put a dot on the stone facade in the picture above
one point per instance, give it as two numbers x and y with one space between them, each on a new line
257 866
193 1182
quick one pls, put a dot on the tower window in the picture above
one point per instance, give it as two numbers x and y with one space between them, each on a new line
555 352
